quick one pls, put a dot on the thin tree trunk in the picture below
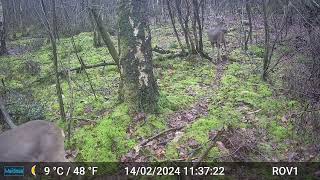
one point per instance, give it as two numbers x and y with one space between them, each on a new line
249 13
55 61
198 21
266 60
180 20
174 26
3 47
194 25
106 37
54 20
186 23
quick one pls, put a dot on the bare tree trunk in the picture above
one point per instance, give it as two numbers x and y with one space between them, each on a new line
174 25
106 37
21 23
15 21
96 35
140 89
186 23
249 13
55 61
196 12
266 60
248 9
194 25
54 20
180 19
3 47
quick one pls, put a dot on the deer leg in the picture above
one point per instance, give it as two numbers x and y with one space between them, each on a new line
219 53
212 44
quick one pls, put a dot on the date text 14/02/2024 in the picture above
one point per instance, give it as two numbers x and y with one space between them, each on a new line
199 171
172 171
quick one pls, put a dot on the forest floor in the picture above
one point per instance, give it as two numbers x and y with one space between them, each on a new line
201 103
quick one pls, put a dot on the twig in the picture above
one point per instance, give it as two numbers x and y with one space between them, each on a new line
82 119
206 152
306 111
6 115
229 154
253 112
160 134
160 50
183 159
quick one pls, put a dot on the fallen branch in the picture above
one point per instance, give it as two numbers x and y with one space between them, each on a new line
87 120
91 66
253 112
160 50
174 55
158 135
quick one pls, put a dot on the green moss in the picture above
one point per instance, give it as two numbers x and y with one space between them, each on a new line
256 50
214 152
152 125
278 132
200 129
227 115
172 151
238 56
179 101
179 90
107 141
173 45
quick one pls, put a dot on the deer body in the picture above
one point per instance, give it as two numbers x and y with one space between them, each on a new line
216 36
34 141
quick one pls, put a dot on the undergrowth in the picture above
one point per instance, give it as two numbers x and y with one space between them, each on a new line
181 82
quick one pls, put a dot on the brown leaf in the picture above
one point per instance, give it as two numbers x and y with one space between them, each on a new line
193 143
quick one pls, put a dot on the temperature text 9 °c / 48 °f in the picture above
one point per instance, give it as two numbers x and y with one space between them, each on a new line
65 171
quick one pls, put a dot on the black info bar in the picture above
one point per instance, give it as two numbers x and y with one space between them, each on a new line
180 170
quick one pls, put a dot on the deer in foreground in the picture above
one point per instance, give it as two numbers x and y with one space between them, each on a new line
216 36
34 141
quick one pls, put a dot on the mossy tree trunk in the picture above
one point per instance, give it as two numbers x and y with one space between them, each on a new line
139 89
3 47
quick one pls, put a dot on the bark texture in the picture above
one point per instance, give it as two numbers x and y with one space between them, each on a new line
3 48
140 90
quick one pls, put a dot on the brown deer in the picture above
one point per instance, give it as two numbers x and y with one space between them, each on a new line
216 36
34 141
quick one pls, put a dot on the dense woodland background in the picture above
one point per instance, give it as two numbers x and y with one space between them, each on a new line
138 80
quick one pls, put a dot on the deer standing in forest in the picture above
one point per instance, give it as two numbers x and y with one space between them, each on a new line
34 141
216 36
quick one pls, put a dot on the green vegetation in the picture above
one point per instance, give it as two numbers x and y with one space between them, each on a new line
182 82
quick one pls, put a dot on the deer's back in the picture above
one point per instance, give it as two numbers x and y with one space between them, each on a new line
32 141
216 35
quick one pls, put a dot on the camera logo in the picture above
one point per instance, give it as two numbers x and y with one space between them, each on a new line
13 171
